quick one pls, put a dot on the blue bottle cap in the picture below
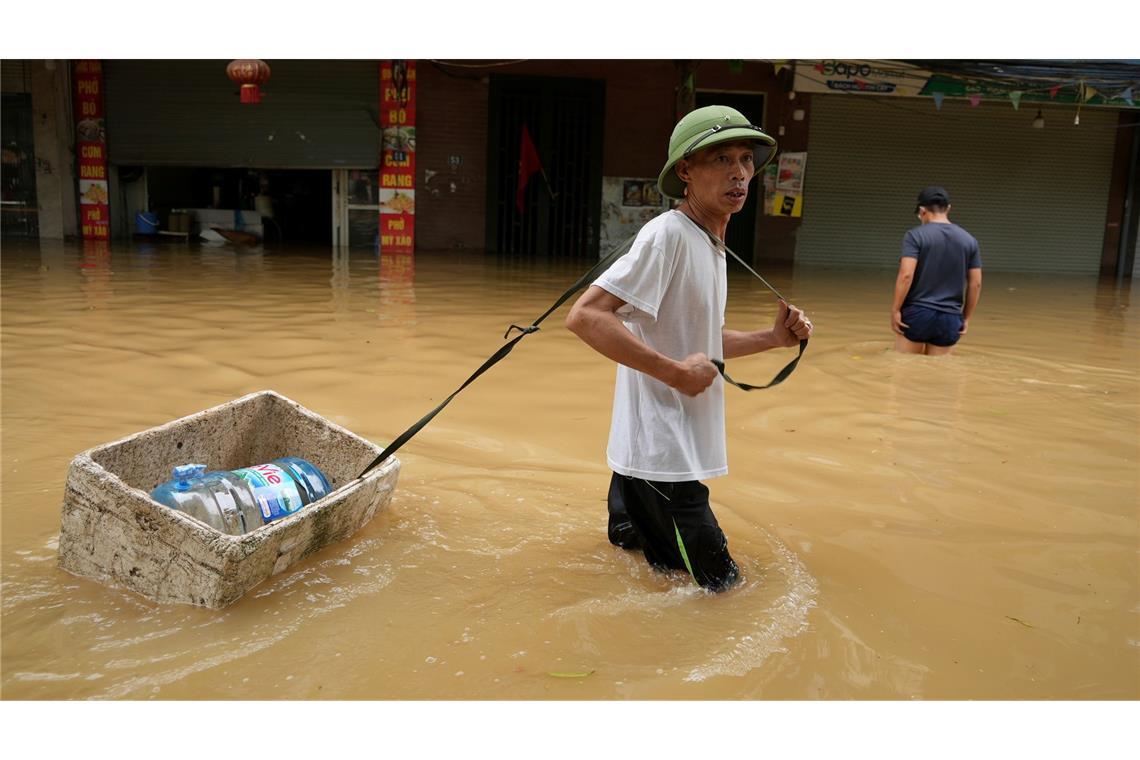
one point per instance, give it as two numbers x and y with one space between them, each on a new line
185 472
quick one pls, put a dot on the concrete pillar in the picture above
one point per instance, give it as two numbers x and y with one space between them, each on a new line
55 158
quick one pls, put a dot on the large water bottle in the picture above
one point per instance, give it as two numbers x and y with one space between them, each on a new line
238 501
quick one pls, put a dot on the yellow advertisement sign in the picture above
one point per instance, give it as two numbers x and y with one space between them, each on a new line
788 205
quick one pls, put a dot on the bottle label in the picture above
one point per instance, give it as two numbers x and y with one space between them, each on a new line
274 490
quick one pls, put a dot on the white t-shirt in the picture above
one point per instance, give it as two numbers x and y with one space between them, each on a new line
675 286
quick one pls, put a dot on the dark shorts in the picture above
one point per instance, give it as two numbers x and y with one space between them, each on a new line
925 325
673 525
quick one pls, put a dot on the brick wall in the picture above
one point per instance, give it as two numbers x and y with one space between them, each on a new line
451 120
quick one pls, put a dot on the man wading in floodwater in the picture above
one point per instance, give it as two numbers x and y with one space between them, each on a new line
659 312
940 267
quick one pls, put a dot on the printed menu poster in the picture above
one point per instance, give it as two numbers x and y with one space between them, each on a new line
789 200
91 150
397 156
769 181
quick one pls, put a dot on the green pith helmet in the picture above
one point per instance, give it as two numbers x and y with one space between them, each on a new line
704 128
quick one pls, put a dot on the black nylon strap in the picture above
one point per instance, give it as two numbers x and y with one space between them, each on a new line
780 377
505 349
404 437
582 281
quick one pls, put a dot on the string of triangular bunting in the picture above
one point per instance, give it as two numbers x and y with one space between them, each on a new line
1085 94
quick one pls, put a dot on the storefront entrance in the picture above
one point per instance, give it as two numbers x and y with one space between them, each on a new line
18 213
1036 199
561 209
198 146
356 208
280 206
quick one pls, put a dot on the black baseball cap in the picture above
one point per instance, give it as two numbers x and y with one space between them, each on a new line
932 196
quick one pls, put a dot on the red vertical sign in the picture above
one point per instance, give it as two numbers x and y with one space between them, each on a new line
398 156
91 152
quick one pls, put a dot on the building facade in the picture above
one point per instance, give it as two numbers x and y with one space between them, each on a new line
303 165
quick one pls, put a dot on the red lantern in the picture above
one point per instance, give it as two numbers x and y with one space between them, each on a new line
249 73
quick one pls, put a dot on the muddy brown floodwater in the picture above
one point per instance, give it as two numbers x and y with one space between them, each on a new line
908 527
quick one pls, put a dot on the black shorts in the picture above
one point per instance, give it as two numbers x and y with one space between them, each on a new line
673 524
925 325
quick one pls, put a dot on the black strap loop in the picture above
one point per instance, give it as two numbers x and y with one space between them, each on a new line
523 330
780 377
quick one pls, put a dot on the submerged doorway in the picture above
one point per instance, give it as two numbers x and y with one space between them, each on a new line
741 233
19 211
560 216
293 205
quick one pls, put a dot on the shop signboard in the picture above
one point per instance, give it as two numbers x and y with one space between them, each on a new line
895 78
91 151
397 193
859 76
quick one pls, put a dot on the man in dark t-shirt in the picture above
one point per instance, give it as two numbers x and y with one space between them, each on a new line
939 280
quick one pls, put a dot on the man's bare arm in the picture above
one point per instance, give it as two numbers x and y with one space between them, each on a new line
593 318
791 325
973 295
903 281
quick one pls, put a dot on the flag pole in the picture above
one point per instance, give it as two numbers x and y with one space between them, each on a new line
546 179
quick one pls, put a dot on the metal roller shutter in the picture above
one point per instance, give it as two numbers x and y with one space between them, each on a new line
313 115
1036 199
15 76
